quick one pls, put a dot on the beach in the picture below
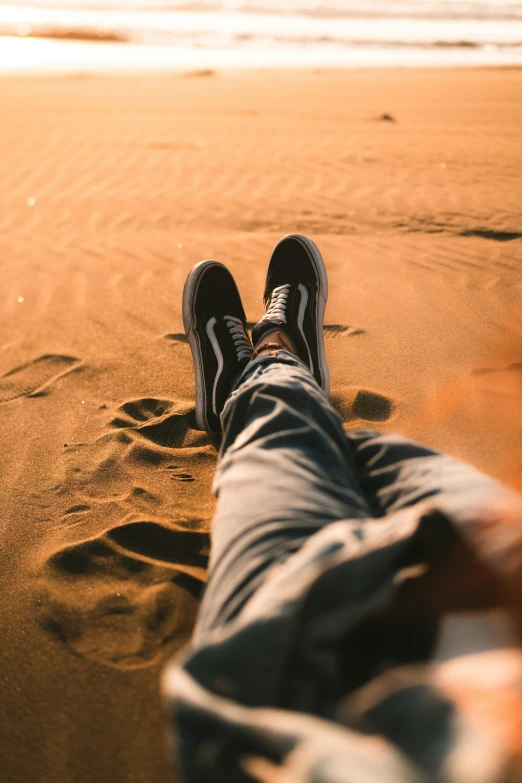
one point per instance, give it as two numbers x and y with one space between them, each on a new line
112 188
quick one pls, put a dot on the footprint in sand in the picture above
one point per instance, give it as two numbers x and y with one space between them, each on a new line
163 422
354 404
130 548
178 337
150 445
342 330
126 598
35 377
183 549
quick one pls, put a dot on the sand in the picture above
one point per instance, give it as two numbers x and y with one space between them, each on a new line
111 189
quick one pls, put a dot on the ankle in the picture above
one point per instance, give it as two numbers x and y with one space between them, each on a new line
278 340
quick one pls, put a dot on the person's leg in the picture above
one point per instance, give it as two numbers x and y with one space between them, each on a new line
285 468
285 471
395 472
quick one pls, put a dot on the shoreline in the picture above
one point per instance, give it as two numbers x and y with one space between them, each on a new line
63 55
202 73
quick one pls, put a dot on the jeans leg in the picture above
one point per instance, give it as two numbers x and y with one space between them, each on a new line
285 471
396 472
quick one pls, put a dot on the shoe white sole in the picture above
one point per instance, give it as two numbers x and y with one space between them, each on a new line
322 298
189 317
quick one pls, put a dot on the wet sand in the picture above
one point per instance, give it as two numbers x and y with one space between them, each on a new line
112 188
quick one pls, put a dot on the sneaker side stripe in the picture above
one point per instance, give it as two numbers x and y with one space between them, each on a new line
300 320
219 357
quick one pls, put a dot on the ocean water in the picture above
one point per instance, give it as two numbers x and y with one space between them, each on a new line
65 35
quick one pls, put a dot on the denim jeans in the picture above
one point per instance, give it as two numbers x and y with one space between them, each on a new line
287 468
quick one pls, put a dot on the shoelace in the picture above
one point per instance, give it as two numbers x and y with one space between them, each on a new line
242 344
276 310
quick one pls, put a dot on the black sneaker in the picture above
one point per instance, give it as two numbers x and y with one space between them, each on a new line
295 298
214 322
